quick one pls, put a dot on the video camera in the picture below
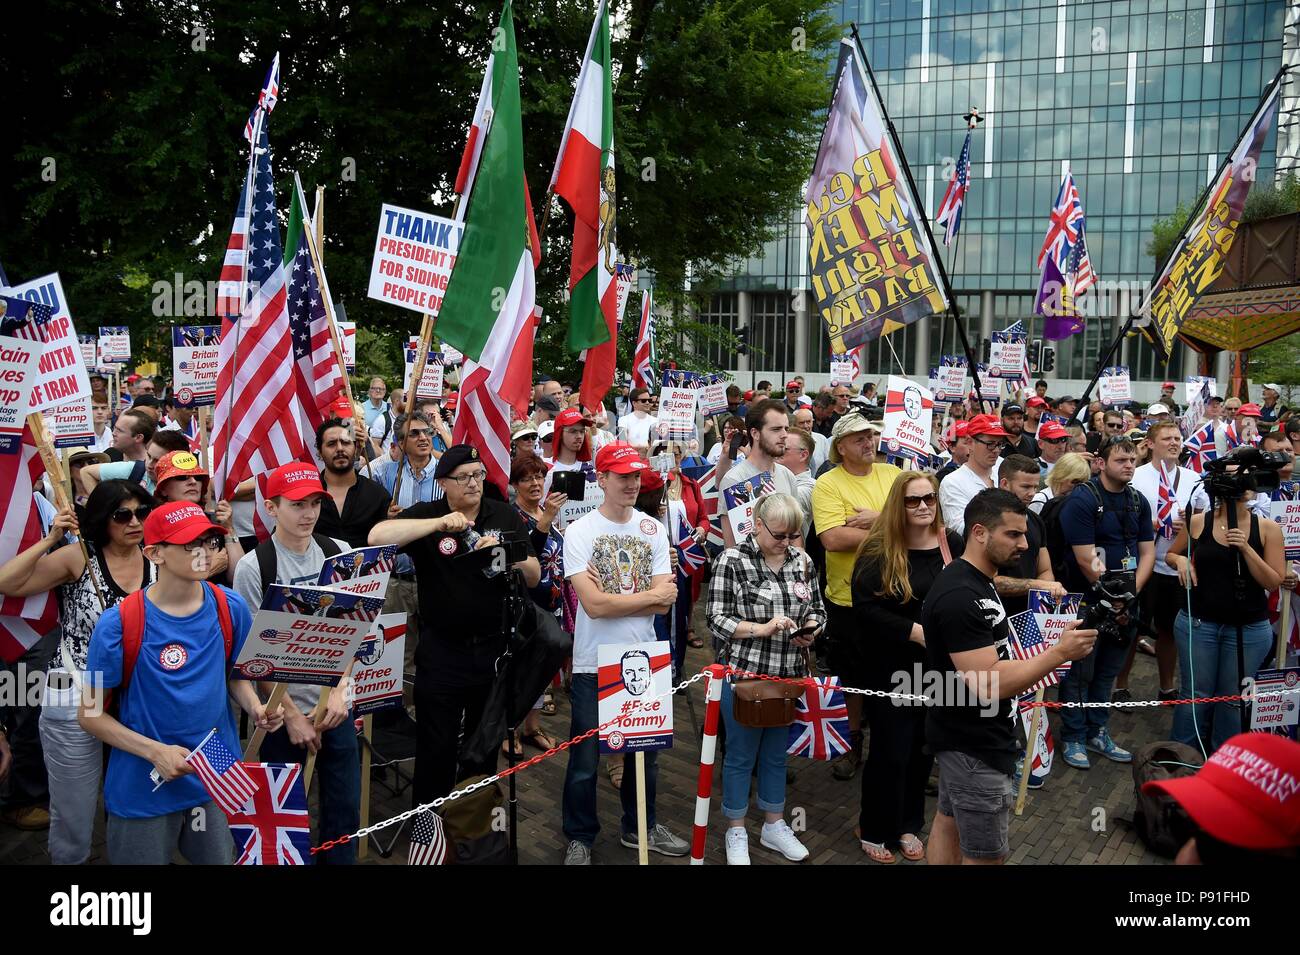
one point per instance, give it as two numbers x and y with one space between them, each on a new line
1110 598
1241 470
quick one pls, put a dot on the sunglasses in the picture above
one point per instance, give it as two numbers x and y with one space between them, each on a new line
123 515
1114 427
782 538
1052 440
912 503
640 401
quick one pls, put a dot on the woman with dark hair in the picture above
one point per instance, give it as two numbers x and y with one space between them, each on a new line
896 566
553 594
113 531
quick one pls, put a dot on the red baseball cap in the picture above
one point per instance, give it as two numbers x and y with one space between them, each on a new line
449 403
961 429
1052 431
570 417
1247 794
652 480
1036 402
621 458
294 481
1168 384
986 424
1250 410
178 523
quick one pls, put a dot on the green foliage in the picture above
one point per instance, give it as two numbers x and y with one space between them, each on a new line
1262 202
1165 233
1279 362
131 152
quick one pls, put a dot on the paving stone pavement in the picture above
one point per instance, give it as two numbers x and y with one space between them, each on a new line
1077 817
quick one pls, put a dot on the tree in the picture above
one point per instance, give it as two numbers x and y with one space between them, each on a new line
131 156
1279 363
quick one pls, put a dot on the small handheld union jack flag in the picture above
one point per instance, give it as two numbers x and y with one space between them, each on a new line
821 722
690 555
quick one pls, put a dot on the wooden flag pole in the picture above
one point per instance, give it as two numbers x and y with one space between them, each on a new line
642 837
1031 746
322 703
417 372
255 741
367 728
67 477
205 426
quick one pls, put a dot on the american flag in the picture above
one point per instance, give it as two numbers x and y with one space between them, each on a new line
643 359
273 828
706 476
1027 641
319 380
259 430
1201 445
821 722
266 98
428 840
955 197
222 774
23 620
690 554
1065 239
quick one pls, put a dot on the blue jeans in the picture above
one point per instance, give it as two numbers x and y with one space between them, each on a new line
1090 680
578 809
1208 667
338 769
747 745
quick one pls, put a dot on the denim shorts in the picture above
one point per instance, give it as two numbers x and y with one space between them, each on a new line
978 798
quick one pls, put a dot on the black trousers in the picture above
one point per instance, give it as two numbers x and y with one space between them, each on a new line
452 682
895 771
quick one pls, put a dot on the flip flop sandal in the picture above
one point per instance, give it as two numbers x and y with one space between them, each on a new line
912 848
538 740
548 704
877 852
693 641
505 748
615 771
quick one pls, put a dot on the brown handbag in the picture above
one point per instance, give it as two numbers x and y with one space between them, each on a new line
763 704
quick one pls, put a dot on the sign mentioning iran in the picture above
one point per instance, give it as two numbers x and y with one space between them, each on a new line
62 376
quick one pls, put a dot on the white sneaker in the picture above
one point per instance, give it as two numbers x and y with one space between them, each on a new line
780 837
737 846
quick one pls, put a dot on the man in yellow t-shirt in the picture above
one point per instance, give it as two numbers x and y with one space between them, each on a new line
846 501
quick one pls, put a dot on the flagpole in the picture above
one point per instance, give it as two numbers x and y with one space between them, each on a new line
1031 748
923 217
249 180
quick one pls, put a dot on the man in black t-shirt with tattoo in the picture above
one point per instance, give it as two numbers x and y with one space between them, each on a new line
970 727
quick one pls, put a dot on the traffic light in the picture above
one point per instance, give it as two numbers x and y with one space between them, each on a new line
1036 356
986 356
1049 359
742 341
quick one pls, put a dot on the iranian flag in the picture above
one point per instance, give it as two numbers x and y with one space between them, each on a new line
487 312
584 178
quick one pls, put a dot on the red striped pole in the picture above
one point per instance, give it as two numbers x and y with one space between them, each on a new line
708 749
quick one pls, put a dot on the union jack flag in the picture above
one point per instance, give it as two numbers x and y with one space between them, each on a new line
551 560
707 478
690 555
955 197
1201 445
1065 238
643 360
267 97
1027 640
821 722
222 774
1167 503
272 828
428 840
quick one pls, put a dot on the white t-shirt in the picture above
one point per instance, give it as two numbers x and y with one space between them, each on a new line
1187 487
627 557
956 491
639 429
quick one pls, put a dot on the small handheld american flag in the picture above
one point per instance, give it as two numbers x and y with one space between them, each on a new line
428 840
1027 640
222 774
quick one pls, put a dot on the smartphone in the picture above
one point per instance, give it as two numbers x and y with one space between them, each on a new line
573 484
807 631
739 440
1094 442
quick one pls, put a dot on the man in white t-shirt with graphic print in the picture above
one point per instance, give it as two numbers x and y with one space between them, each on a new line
617 560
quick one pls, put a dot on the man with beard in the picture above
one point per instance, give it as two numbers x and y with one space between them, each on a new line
353 504
1018 441
966 639
765 428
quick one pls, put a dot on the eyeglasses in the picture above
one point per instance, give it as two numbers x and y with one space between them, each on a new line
531 478
213 544
1114 425
912 503
997 443
781 538
420 433
1052 440
123 515
477 477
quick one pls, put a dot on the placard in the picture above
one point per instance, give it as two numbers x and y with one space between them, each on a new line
909 417
951 375
1287 514
20 361
414 254
592 495
635 688
624 281
1192 387
450 356
377 676
62 378
431 382
677 413
1006 354
739 500
1048 418
89 351
713 396
362 570
841 372
1114 387
114 344
305 635
1275 701
196 355
348 341
1039 629
71 425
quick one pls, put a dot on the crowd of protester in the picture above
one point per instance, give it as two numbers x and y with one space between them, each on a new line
857 566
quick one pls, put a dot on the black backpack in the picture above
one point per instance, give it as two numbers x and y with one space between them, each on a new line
1061 554
1157 818
268 562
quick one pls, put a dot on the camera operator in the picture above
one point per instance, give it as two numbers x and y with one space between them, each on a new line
460 610
1107 524
1236 560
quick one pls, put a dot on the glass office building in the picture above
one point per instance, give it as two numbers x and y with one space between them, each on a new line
1142 98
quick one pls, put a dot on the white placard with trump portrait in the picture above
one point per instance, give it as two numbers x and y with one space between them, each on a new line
634 685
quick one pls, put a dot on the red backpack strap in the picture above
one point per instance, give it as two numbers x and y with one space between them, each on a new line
131 611
223 616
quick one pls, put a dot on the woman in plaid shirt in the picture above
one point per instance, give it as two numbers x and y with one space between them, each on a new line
762 591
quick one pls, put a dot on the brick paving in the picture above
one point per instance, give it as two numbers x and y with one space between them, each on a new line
1076 818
